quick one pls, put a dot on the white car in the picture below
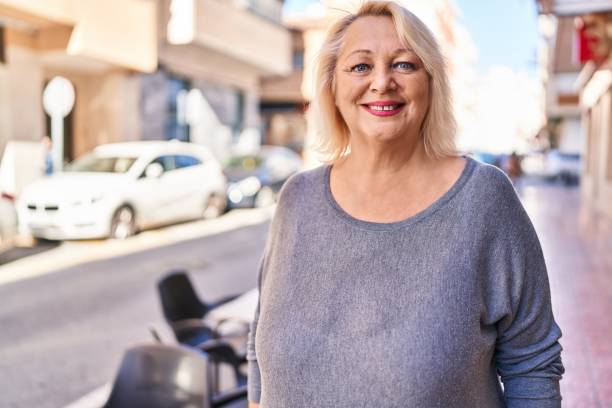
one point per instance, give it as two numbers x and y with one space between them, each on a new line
554 165
119 189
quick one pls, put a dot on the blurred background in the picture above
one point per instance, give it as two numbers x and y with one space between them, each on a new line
139 137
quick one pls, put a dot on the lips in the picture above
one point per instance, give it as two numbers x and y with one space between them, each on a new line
383 108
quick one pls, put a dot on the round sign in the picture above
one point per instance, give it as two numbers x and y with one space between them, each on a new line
58 97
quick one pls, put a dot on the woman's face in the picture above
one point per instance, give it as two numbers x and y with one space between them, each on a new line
382 88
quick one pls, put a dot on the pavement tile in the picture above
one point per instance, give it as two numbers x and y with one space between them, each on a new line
573 346
598 344
578 387
579 400
577 245
603 377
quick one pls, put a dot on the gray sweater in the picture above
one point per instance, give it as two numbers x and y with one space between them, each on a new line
430 311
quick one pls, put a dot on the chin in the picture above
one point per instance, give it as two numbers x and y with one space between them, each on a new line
383 133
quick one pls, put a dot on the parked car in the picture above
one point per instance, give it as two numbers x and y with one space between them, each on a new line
119 189
496 159
255 179
8 222
553 165
564 166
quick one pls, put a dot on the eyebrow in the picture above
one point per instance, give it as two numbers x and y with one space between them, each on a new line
396 52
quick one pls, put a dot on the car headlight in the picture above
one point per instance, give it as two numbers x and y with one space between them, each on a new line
234 194
249 186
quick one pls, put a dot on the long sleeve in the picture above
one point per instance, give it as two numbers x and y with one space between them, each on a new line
275 232
254 376
528 355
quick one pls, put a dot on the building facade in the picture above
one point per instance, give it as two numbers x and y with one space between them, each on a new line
93 45
582 31
212 56
141 69
283 104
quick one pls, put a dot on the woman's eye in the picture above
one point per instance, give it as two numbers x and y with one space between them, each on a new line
360 68
405 66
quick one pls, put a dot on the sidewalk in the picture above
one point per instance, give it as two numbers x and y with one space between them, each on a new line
71 253
577 245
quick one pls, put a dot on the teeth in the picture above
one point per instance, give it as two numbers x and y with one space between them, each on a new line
384 108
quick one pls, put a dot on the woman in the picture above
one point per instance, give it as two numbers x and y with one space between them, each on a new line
400 274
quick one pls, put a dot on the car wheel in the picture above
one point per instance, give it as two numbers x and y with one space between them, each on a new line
214 207
123 223
265 197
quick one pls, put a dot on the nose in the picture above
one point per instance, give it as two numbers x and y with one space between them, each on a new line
382 81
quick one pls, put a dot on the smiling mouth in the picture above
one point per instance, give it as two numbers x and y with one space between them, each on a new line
384 110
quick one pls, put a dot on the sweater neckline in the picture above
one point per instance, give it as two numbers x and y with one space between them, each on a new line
389 226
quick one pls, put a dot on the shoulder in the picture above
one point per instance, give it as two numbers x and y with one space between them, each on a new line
492 178
496 203
490 189
293 203
302 184
300 189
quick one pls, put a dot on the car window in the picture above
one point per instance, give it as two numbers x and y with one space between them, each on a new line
167 163
101 164
184 160
244 162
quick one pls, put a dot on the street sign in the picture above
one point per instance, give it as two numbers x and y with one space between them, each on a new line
58 97
58 100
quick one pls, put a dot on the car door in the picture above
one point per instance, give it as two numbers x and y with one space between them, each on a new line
156 196
191 176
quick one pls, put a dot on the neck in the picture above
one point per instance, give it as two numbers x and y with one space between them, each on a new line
384 160
391 181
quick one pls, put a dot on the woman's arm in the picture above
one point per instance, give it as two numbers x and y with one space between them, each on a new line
275 231
527 352
253 376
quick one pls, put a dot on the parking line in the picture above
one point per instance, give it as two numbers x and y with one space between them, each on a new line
73 253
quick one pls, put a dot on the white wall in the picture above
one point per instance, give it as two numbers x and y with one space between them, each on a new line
571 135
25 80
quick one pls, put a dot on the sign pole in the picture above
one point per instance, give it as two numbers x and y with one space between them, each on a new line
57 142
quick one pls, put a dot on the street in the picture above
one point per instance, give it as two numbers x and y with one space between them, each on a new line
63 333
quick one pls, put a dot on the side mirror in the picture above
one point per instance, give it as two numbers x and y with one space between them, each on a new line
154 170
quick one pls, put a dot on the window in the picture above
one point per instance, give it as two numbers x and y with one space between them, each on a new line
177 127
167 162
268 9
229 104
298 60
100 164
185 161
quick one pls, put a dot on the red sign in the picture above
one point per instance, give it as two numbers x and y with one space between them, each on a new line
589 42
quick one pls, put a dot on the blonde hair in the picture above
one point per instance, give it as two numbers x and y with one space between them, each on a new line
438 127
